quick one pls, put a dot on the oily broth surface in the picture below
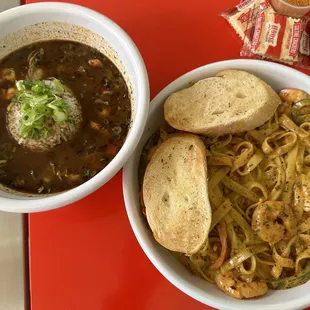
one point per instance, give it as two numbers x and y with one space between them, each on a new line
104 99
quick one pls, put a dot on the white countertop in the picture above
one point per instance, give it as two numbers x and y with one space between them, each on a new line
7 4
14 292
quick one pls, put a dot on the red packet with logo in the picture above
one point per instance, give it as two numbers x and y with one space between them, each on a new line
277 37
304 48
267 34
242 17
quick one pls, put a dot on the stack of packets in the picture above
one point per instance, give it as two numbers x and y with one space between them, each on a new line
268 34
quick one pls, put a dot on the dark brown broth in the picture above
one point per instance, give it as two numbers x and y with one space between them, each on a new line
76 161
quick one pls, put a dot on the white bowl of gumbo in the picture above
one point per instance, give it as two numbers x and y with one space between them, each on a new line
74 99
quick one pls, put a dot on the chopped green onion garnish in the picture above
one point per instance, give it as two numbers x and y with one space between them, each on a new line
86 172
41 105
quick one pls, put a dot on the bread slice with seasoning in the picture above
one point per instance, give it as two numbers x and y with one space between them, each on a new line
231 102
176 196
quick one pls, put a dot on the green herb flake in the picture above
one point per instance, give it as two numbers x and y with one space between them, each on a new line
86 173
128 122
191 147
280 284
268 207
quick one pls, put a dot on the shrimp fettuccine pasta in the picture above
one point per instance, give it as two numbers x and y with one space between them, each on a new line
259 190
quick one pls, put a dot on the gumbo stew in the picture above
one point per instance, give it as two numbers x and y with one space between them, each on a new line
64 114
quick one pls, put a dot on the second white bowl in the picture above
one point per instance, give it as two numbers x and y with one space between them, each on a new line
278 77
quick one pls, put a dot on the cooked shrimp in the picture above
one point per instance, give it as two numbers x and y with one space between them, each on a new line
7 74
274 221
96 63
95 125
239 289
293 95
8 94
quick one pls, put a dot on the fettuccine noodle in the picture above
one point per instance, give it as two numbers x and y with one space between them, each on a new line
259 189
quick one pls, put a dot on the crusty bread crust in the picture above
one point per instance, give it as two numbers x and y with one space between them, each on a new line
234 101
176 196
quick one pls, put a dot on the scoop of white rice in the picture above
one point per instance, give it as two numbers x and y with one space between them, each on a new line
58 132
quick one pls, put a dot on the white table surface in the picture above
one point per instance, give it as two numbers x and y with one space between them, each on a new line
7 4
13 294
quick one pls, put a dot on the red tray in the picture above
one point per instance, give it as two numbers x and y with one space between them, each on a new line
85 256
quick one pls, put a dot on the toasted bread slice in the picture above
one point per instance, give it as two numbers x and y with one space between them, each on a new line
175 194
234 101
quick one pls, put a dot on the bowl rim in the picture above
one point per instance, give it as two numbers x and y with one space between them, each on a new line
295 7
152 254
22 205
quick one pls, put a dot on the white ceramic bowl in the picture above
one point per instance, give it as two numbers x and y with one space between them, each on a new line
46 21
278 77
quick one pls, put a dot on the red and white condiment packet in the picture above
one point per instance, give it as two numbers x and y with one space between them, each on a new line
276 36
243 16
305 43
267 34
304 48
